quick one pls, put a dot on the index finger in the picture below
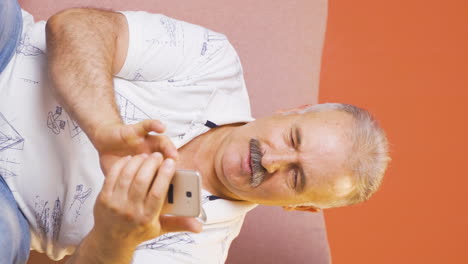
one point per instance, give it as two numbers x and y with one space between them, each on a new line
164 145
150 125
158 191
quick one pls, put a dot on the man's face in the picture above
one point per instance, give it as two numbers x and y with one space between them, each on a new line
300 159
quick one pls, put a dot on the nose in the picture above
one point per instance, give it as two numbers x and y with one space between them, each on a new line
273 161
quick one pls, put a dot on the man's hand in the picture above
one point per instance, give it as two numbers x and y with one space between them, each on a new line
127 210
129 205
116 140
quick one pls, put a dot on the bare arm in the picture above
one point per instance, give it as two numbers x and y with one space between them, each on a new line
85 47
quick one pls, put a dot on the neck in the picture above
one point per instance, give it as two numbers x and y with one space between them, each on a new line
199 154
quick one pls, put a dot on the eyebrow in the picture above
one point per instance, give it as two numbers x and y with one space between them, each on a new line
298 133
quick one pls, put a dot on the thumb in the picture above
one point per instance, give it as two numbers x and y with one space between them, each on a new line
179 224
150 125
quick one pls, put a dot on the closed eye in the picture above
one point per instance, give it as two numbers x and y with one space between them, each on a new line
295 171
293 144
295 178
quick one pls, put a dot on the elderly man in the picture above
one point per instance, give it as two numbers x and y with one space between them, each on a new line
134 96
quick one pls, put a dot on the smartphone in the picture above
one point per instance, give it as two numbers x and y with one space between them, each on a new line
184 194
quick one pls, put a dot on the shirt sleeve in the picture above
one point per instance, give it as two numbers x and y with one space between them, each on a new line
208 247
178 248
165 49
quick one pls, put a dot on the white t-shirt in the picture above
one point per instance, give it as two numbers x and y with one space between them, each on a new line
184 75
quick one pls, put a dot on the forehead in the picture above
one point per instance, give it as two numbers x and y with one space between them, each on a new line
324 150
323 132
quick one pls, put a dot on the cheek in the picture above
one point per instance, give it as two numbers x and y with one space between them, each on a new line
274 192
230 167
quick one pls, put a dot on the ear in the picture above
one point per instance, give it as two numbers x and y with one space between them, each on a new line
299 108
302 208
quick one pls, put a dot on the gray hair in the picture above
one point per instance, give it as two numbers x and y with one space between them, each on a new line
370 153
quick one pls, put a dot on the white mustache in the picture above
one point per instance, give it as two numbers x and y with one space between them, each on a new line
258 172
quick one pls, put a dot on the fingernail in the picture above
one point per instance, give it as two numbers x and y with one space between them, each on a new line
144 155
157 155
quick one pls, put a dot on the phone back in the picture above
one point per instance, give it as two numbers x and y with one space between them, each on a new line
184 195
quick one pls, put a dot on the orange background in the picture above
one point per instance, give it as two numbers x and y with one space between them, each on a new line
407 62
